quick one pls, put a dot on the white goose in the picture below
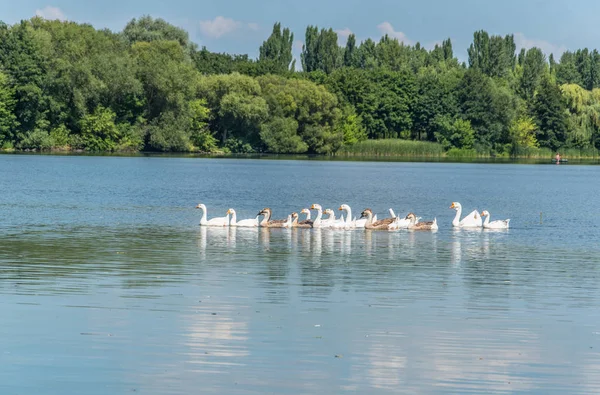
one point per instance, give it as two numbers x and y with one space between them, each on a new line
246 223
308 222
399 223
219 221
472 220
414 225
288 222
349 222
302 224
332 221
352 223
318 220
498 224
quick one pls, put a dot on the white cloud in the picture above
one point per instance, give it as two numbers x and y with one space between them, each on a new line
343 35
51 13
524 42
221 26
387 28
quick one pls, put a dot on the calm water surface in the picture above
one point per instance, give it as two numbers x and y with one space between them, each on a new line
109 286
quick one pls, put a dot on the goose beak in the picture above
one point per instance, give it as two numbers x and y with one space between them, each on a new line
340 208
452 205
482 214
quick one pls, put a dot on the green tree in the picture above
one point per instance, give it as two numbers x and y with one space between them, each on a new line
149 29
549 109
566 70
493 56
320 50
98 130
383 99
208 62
489 108
169 132
24 58
200 135
522 133
350 52
315 110
237 107
8 120
168 78
351 126
534 66
367 55
280 136
436 97
583 123
276 51
456 133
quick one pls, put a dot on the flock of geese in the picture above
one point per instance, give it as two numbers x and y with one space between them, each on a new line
367 220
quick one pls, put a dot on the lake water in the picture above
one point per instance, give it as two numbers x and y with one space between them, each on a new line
109 286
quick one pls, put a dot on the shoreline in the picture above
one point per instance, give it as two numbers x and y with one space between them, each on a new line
314 157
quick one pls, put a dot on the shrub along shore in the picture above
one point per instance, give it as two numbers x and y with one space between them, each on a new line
66 86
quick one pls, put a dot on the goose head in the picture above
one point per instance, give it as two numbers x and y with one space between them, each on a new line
366 212
201 206
264 211
316 207
455 205
231 211
295 216
412 218
344 207
305 211
484 213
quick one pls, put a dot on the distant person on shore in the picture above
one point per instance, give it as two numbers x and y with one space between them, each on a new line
557 157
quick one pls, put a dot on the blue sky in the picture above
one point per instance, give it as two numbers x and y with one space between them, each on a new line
240 26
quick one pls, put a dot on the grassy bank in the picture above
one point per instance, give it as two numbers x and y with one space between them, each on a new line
393 147
425 149
385 148
567 153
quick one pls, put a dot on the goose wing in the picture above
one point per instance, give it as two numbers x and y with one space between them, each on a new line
276 222
382 222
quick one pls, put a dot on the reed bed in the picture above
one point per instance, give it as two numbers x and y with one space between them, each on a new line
566 153
394 147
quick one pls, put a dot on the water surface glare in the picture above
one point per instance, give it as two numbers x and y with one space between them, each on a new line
109 286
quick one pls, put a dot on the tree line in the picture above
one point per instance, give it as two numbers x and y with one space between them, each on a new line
66 85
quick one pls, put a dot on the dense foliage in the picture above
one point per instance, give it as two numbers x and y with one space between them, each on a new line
65 85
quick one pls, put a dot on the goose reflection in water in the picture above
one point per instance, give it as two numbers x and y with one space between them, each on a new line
456 251
346 243
316 245
476 243
217 236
